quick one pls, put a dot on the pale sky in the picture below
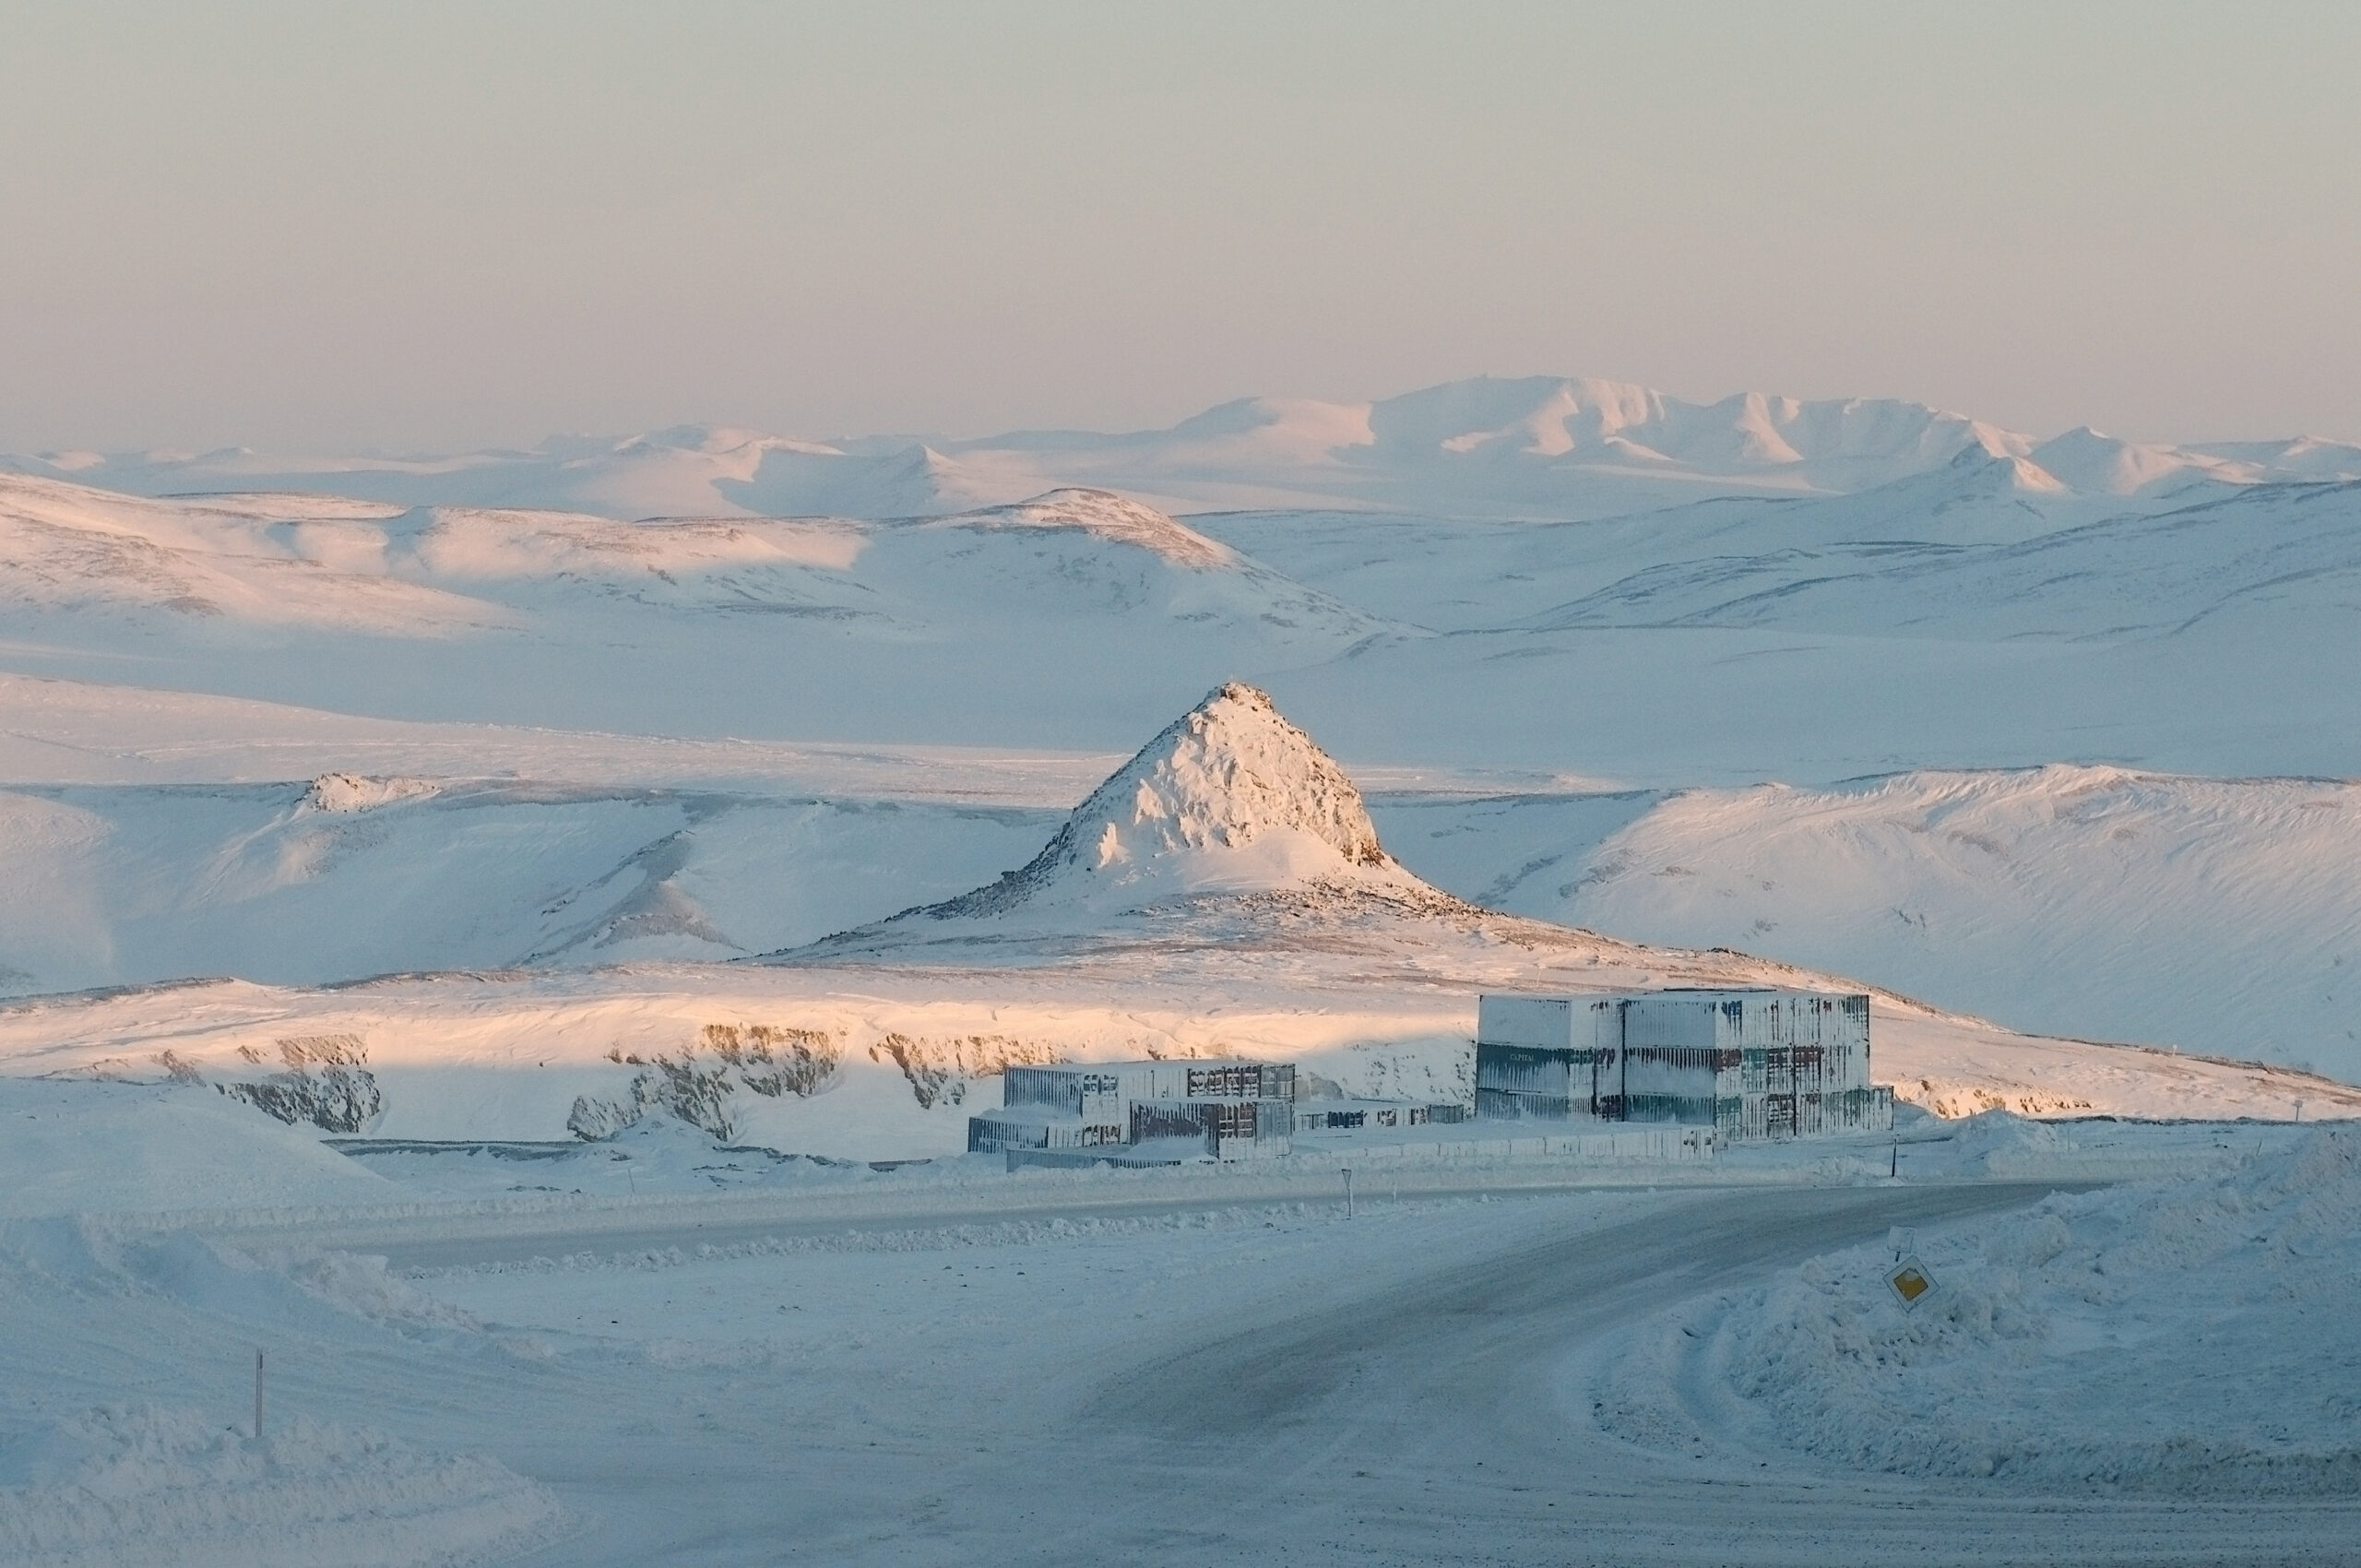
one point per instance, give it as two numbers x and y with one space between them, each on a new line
309 226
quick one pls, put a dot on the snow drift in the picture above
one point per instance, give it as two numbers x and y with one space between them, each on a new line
143 1484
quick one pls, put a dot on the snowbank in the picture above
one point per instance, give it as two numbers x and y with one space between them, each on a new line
2181 1336
120 1485
84 1147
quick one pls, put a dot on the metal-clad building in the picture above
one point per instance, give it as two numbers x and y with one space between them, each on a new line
1749 1064
1141 1111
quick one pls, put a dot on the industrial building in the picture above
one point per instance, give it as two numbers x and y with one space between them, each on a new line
1139 1112
1748 1064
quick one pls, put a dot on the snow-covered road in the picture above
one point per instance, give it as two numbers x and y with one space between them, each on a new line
1076 1380
1445 1417
1410 1388
1448 1418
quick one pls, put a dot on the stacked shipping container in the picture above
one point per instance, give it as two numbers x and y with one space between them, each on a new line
1748 1064
1228 1109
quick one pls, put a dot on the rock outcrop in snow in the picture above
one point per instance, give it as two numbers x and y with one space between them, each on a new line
1230 798
346 793
1108 516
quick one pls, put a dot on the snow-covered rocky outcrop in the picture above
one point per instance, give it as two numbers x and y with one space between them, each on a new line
1107 516
1229 798
346 793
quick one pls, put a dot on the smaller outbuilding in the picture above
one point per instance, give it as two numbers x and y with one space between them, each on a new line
1153 1113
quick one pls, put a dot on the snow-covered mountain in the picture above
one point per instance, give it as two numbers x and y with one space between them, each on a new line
1230 799
1536 446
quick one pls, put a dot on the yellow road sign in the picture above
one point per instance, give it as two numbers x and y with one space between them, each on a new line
1909 1281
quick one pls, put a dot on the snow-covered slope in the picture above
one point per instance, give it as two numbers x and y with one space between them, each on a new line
2262 548
257 562
351 876
1964 616
98 558
2215 915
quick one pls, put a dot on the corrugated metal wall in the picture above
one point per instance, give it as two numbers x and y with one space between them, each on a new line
1749 1064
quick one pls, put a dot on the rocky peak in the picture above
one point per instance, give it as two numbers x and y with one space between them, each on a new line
1230 796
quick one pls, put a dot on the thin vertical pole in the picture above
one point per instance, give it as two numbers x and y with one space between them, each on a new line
1348 1192
257 1395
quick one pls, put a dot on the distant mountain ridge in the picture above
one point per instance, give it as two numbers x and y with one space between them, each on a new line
1542 446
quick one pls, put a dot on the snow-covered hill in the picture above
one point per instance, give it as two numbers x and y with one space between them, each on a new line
2206 915
350 877
1722 641
1230 799
1224 891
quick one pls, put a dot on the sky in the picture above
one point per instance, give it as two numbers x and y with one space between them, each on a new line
379 227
